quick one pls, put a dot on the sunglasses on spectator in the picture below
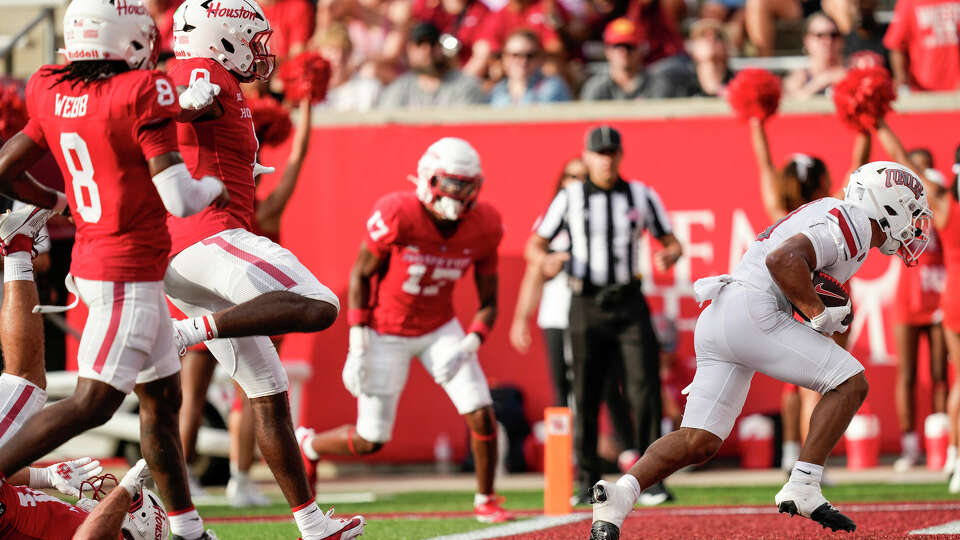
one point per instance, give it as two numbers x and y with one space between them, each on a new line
821 35
526 55
625 46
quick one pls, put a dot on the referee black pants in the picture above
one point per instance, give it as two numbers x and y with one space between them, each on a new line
613 344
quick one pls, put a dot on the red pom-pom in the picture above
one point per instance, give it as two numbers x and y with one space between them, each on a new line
270 120
754 93
13 111
863 97
305 76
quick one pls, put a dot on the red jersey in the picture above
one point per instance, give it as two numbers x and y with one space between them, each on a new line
225 148
102 135
500 24
919 287
927 31
27 514
292 22
466 28
414 293
659 39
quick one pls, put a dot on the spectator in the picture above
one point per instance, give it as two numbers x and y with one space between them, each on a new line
664 47
377 29
292 22
761 20
431 80
729 13
710 72
923 43
542 18
525 82
858 23
459 21
824 44
624 78
349 90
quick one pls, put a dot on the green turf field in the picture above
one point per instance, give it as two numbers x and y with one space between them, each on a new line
411 528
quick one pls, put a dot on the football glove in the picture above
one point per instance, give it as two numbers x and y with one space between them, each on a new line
135 477
448 362
66 477
355 368
830 320
199 95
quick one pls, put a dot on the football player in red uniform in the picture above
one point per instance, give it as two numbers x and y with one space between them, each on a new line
128 512
233 283
420 244
108 119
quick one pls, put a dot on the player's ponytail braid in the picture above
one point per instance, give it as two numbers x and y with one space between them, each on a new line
86 72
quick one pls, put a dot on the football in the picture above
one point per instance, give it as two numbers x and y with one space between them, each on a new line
831 292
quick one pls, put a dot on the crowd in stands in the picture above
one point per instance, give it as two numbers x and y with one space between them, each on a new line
418 53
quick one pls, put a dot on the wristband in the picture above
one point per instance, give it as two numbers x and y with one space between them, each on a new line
61 203
358 317
479 328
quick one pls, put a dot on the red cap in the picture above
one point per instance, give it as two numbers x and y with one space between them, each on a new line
621 31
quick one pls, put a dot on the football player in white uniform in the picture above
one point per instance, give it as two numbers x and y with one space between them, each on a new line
749 327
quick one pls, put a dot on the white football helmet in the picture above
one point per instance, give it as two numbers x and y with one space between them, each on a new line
449 177
893 196
146 518
110 30
232 32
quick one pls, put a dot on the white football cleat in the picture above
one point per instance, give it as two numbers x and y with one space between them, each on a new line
341 529
955 481
242 493
26 221
611 504
808 501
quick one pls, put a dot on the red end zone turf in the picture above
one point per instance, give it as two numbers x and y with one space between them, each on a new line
874 521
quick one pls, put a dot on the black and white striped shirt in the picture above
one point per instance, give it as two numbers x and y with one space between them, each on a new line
605 228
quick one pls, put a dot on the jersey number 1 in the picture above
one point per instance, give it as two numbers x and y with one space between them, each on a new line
77 158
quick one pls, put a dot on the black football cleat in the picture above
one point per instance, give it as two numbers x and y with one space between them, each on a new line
603 530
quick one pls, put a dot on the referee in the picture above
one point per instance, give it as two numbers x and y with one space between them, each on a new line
610 327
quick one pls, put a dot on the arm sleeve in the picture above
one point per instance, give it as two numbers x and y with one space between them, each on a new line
556 214
181 194
657 220
824 245
383 227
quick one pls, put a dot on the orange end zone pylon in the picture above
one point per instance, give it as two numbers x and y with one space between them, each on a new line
558 461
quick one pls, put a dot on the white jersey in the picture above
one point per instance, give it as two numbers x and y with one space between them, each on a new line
840 234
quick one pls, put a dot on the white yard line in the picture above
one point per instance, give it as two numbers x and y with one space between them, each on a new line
519 527
952 527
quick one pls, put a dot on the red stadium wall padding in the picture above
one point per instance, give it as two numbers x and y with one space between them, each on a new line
703 169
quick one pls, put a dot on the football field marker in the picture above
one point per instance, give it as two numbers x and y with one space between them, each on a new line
519 527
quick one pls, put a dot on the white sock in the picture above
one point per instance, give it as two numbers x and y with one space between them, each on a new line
308 450
480 498
18 267
789 454
19 400
630 482
186 524
197 329
951 454
806 473
312 521
910 444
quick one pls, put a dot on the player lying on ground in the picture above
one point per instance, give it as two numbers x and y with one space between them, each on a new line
233 283
130 511
418 245
749 327
110 126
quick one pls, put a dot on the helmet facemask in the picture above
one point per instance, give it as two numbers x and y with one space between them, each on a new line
451 195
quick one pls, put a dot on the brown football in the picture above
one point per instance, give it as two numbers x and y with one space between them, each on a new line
831 292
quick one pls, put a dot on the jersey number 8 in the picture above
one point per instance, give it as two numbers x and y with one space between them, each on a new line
77 158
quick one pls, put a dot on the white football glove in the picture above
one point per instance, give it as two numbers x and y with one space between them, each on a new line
830 320
259 169
355 368
447 363
199 95
135 477
66 477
